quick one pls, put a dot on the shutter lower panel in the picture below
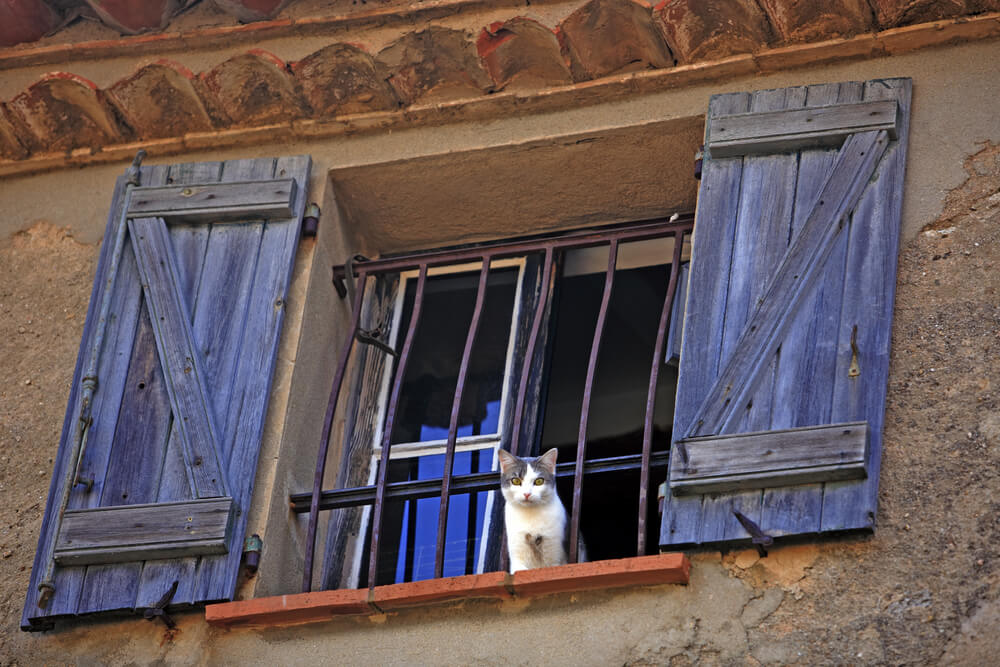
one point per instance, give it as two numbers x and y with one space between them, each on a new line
184 376
784 364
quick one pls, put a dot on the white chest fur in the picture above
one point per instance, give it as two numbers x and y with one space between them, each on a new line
535 535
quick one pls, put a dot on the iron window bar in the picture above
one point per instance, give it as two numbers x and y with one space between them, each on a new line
335 499
448 485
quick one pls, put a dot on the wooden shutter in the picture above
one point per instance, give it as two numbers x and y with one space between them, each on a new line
183 380
784 363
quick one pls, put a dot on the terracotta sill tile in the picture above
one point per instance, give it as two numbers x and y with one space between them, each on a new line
488 585
289 609
670 568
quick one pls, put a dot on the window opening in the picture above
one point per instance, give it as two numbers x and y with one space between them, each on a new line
417 453
409 528
617 404
432 373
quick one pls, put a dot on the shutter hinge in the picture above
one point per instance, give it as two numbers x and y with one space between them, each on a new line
310 221
699 159
251 553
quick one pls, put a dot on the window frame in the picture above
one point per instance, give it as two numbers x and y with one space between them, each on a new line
488 442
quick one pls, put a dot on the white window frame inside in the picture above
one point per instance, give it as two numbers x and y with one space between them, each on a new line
407 450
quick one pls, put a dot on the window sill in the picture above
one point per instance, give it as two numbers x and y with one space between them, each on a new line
670 568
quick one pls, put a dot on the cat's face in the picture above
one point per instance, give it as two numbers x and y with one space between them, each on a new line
528 482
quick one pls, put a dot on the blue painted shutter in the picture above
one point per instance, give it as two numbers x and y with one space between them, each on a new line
788 313
184 377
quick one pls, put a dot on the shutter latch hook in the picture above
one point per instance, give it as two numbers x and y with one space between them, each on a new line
854 370
160 608
759 538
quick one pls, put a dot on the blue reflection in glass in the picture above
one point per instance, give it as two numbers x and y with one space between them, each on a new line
490 424
466 514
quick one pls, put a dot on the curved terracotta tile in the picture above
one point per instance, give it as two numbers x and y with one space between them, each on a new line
25 21
608 36
10 147
434 65
522 54
159 101
63 111
131 17
253 88
797 21
342 79
699 30
251 10
892 13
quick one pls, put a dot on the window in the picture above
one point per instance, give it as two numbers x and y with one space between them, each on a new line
529 365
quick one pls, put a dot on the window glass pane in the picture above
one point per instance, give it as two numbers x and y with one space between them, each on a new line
410 527
428 390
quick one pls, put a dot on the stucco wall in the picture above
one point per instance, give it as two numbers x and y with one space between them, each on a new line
924 588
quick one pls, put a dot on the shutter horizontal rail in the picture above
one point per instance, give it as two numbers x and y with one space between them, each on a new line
771 459
481 481
144 532
216 202
794 129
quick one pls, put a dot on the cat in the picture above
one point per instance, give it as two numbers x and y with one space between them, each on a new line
534 516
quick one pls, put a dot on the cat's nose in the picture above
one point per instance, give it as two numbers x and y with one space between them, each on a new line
527 495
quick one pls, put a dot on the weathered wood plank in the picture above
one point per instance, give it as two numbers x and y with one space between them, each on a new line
676 329
712 246
856 162
362 419
762 226
146 531
794 129
180 357
69 580
112 374
271 199
217 576
869 292
190 242
136 449
772 458
801 384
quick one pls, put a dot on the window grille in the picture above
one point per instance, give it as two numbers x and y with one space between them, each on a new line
678 228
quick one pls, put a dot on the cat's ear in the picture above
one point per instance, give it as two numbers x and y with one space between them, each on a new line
506 460
548 460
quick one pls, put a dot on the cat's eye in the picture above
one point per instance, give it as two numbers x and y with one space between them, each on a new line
539 481
516 481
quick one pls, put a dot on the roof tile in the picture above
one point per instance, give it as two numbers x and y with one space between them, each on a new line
698 30
610 36
63 112
159 101
892 13
253 88
796 21
344 79
251 10
25 21
434 65
522 54
130 17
